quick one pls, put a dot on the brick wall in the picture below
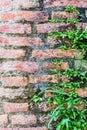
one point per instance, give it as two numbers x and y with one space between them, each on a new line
26 55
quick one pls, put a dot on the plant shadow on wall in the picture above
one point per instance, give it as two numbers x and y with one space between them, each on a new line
68 108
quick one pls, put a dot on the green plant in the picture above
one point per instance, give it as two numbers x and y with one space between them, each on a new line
66 115
56 20
71 9
38 97
68 20
72 21
75 38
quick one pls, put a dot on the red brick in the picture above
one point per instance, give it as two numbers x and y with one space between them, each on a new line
15 107
3 119
7 53
48 94
54 3
24 66
24 120
59 66
34 128
43 106
43 119
33 16
31 128
15 28
53 53
14 81
18 4
82 92
43 78
7 129
12 93
63 15
5 4
46 78
80 107
50 27
82 25
20 41
25 4
53 41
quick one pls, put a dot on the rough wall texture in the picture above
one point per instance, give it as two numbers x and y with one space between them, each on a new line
25 58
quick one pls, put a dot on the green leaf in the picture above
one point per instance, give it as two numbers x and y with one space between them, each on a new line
36 98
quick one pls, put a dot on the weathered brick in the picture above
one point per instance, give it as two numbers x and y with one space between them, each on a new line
24 66
7 129
80 107
53 53
15 107
31 128
18 4
43 106
59 66
3 119
82 92
46 78
80 63
54 3
15 28
83 25
51 27
63 15
7 53
53 42
23 120
34 128
5 5
33 16
48 94
14 81
20 41
12 93
43 119
25 4
43 78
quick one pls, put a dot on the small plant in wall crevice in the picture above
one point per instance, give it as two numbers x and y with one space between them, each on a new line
74 39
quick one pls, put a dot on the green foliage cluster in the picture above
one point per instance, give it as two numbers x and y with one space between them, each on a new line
68 20
69 9
77 39
73 38
66 115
